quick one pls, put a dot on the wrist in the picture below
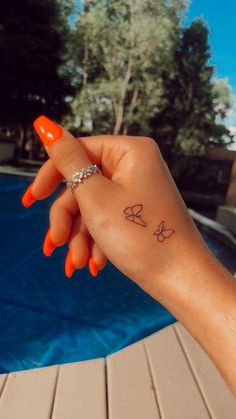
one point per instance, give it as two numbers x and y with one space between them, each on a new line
201 294
180 268
194 274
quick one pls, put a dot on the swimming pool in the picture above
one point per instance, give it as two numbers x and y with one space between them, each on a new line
47 319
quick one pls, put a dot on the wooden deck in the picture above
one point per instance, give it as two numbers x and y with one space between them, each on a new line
165 376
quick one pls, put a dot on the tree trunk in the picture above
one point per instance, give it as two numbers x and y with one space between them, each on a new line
120 106
85 66
132 106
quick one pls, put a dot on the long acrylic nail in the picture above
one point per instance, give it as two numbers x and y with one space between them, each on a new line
48 245
69 266
28 198
47 130
93 267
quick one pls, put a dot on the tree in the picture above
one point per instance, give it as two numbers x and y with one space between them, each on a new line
120 50
32 47
140 72
187 122
222 97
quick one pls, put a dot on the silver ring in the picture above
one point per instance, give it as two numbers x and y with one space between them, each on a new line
82 174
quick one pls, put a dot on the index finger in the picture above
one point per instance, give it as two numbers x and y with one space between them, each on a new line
45 183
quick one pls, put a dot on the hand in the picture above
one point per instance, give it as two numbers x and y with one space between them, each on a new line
133 212
136 216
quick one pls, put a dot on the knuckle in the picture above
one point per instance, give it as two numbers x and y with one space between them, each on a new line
145 145
151 146
150 142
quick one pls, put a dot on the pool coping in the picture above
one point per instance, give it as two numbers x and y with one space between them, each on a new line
167 374
10 170
215 229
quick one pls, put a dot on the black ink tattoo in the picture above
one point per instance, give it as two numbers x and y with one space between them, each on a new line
133 214
163 233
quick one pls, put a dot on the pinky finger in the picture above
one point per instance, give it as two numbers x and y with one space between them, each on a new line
78 253
82 250
97 259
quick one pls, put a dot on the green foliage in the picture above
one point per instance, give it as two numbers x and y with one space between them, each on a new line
32 39
187 122
112 66
139 72
222 96
120 50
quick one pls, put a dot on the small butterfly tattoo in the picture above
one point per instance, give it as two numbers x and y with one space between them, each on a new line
133 214
163 233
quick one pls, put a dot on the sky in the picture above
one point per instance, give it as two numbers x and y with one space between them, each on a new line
220 17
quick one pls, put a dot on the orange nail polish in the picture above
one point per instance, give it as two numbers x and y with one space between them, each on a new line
69 266
47 130
93 267
28 198
48 245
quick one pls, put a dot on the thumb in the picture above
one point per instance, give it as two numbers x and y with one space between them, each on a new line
69 157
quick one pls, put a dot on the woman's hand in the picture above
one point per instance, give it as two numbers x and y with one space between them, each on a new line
133 212
137 218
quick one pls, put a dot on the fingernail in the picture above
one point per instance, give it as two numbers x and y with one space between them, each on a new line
28 198
93 267
48 245
47 130
69 266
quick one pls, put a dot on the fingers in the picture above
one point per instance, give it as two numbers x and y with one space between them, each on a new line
63 149
97 259
68 156
100 150
46 181
66 224
78 253
62 213
83 250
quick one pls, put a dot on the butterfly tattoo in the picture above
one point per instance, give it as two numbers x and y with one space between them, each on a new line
163 233
133 214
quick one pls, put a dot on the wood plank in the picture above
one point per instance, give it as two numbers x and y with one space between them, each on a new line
81 391
220 401
177 392
130 389
29 394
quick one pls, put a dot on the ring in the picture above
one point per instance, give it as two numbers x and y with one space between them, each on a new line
82 174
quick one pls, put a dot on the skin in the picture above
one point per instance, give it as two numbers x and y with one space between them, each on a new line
134 215
66 221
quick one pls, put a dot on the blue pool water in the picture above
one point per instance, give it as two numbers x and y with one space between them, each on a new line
47 319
